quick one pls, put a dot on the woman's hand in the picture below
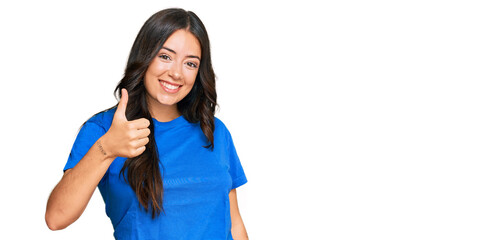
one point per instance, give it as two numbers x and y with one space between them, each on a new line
125 138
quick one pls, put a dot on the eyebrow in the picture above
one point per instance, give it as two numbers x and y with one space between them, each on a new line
173 51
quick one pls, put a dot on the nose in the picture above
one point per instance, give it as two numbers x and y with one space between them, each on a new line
175 71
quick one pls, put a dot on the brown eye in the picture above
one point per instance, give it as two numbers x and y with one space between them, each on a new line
191 64
165 57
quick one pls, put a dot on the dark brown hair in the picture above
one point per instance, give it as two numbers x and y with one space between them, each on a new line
143 171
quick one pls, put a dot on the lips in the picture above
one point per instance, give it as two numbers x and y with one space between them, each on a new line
169 86
170 83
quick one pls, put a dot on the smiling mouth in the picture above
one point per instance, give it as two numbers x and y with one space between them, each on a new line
169 85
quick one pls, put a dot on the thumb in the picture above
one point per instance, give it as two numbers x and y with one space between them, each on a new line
121 107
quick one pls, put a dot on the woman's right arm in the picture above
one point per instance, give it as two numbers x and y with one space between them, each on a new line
73 192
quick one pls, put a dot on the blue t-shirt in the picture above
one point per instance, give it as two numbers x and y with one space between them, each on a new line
196 181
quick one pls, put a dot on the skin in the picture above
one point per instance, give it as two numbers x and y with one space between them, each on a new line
177 63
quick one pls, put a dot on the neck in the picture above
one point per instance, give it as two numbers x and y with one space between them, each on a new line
163 113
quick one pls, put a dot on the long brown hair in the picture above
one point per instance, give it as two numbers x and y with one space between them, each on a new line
143 173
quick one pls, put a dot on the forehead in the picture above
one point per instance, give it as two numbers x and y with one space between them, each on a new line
184 43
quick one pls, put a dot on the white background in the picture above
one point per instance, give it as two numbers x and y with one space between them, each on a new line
354 120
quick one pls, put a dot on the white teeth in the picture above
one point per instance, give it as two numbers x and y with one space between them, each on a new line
169 86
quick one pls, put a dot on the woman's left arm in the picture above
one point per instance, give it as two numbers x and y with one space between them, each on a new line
238 229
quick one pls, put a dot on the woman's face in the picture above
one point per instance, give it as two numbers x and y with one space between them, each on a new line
172 73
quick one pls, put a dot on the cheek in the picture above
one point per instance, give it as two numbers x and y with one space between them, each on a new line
150 81
156 69
152 74
190 78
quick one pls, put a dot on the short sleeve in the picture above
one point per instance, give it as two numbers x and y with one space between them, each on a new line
235 169
90 132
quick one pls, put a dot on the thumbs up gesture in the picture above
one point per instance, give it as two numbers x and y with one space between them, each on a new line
126 138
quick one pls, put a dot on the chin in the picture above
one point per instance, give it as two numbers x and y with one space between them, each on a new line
167 100
168 103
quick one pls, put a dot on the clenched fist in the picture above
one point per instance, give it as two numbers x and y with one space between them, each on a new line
125 138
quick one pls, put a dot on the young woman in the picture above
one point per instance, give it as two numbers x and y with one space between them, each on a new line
165 166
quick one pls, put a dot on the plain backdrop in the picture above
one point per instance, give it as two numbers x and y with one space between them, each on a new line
352 119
